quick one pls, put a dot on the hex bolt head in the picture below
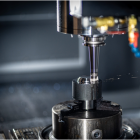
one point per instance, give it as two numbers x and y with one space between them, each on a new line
96 134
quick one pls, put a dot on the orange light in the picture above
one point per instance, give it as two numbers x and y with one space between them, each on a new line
131 40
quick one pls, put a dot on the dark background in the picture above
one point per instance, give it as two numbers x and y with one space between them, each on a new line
33 77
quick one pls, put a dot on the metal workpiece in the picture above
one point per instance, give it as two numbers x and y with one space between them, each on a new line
88 91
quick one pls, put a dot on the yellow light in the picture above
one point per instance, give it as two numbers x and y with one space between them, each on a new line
104 28
131 35
132 26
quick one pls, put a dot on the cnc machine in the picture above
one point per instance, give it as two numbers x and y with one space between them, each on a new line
87 115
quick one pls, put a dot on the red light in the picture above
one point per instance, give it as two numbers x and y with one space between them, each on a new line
116 32
136 35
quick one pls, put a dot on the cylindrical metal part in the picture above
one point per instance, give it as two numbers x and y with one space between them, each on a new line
93 43
96 40
94 62
94 58
81 124
65 22
88 104
86 92
81 128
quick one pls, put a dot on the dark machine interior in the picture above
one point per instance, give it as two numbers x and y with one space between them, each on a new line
37 65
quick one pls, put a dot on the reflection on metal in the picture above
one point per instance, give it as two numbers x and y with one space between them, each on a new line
28 17
76 8
94 42
46 65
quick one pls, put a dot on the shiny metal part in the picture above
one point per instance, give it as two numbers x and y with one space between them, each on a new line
94 62
127 133
90 91
96 134
94 42
80 124
75 8
65 22
51 136
88 104
83 80
87 92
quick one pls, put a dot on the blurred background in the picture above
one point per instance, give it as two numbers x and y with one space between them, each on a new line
37 65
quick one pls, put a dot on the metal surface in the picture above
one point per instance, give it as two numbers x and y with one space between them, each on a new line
127 133
130 128
87 92
88 104
96 134
94 62
65 22
94 42
80 124
83 80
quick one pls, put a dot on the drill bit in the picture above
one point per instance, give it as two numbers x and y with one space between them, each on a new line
94 62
